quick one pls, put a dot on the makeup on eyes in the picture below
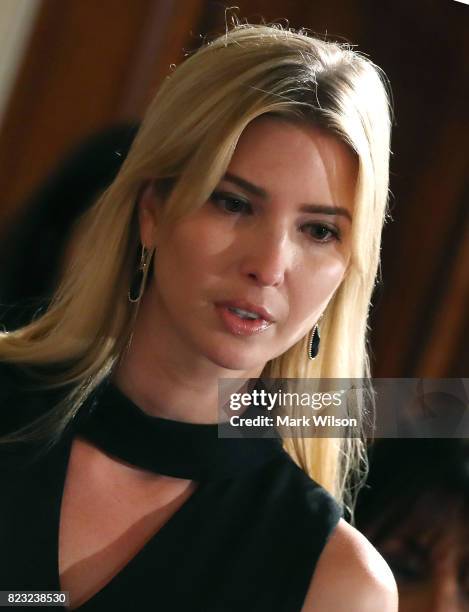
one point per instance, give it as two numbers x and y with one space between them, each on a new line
238 204
219 196
263 194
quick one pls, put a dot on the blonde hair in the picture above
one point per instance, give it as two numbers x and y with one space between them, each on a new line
187 139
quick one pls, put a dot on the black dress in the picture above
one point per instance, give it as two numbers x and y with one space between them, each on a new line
247 539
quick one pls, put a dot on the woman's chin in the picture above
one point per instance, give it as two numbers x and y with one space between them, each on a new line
242 360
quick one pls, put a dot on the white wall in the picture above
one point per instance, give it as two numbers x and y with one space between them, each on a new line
16 23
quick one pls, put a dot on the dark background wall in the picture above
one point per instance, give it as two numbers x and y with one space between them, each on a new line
90 64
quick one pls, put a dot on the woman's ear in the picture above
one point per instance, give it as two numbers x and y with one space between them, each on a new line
148 204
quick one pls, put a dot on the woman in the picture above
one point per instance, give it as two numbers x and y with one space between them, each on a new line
249 207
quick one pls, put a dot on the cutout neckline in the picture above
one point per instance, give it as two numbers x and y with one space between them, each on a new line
126 567
193 451
112 423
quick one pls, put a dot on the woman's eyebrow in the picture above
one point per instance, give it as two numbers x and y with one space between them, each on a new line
326 209
246 185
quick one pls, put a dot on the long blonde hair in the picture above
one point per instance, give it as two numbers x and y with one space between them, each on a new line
187 138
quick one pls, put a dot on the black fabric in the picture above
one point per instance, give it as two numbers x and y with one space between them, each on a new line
247 539
185 450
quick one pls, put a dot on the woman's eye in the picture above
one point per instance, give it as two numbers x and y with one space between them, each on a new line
322 233
230 203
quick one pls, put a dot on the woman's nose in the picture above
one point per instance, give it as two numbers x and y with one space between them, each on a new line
267 257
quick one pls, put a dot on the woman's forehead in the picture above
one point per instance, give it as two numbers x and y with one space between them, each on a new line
296 156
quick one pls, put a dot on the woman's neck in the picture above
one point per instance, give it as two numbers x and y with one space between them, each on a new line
163 379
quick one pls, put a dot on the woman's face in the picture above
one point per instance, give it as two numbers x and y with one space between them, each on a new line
243 278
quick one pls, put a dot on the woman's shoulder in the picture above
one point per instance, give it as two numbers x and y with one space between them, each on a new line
351 576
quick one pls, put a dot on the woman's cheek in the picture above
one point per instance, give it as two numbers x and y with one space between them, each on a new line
203 237
325 276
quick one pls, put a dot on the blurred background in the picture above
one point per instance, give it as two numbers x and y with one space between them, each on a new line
73 68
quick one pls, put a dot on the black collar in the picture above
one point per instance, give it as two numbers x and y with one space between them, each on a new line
111 421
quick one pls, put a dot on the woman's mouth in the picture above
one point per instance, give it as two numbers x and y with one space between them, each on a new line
244 314
240 321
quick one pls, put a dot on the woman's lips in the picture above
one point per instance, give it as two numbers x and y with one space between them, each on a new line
239 326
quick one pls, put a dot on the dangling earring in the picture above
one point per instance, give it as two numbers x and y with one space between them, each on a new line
313 344
137 286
